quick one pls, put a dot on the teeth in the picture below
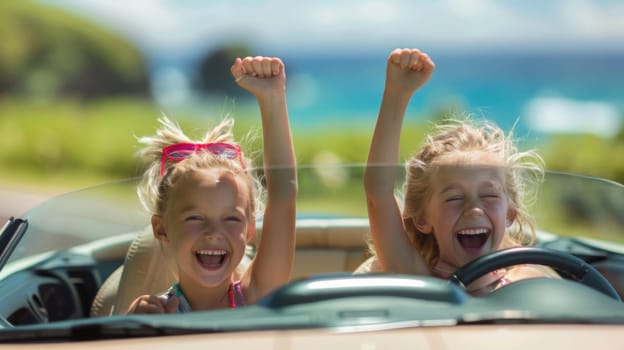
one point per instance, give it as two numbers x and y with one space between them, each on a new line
473 231
211 252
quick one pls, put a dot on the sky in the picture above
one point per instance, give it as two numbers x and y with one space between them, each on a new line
175 27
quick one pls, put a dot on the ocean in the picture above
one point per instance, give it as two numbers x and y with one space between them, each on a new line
536 93
539 93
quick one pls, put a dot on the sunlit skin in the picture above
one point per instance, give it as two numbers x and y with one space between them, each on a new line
467 209
407 70
208 218
208 213
467 199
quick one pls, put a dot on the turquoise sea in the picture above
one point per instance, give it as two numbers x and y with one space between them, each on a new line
538 92
542 93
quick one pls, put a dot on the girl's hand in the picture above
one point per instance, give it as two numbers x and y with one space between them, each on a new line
260 75
408 70
151 304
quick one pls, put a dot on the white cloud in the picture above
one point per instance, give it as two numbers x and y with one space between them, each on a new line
175 25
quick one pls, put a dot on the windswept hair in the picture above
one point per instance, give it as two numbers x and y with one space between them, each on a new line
524 171
153 190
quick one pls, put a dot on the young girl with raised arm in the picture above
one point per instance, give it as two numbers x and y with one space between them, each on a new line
204 202
464 191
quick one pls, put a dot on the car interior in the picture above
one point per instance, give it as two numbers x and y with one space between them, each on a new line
102 278
324 246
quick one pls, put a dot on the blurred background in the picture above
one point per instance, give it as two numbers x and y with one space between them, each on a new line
80 80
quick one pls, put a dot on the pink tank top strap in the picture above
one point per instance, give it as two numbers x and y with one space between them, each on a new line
236 295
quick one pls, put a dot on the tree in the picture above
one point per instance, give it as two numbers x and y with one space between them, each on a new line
47 53
213 73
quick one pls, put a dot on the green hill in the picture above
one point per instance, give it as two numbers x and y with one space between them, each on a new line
48 53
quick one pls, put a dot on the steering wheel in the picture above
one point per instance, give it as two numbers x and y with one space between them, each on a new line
576 268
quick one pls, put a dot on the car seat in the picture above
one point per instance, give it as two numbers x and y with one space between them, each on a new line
147 269
322 246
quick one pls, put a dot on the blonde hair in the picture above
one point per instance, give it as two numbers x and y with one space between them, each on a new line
523 172
154 189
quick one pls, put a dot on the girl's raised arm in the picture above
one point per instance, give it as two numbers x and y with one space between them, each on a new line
406 71
265 78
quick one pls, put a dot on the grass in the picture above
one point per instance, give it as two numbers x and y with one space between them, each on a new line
67 143
58 146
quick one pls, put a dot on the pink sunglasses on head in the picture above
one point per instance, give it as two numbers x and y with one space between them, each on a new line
181 151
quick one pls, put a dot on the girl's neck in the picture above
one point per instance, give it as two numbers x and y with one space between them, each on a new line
203 298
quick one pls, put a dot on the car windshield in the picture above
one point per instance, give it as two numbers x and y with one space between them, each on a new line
567 204
74 242
112 211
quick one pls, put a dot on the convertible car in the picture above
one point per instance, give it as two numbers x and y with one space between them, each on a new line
70 266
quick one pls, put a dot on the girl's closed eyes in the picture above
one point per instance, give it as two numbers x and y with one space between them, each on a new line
463 189
194 218
234 218
454 198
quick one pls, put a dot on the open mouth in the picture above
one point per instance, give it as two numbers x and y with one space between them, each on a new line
473 239
211 258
